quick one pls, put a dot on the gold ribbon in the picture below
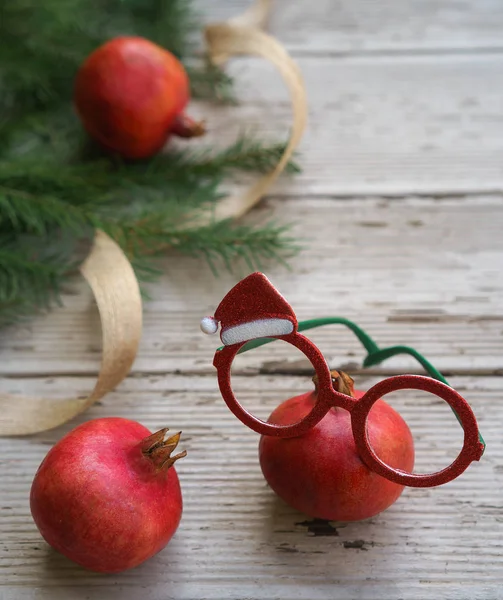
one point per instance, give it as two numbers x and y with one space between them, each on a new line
243 36
108 271
117 295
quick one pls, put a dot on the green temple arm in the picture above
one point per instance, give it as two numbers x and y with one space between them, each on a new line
375 355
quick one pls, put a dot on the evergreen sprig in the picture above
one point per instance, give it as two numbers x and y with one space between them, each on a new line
56 188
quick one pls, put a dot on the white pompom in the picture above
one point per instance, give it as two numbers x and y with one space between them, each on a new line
208 325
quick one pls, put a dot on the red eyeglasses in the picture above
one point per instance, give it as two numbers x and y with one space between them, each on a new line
253 314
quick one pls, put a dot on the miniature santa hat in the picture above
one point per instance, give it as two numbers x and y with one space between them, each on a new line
252 309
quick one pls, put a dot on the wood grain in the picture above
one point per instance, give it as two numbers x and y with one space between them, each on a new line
421 272
389 125
400 209
238 540
366 26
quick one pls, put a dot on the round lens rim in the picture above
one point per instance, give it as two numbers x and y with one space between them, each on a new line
325 398
472 447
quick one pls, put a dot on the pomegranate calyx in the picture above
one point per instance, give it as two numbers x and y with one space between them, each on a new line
341 382
185 127
158 450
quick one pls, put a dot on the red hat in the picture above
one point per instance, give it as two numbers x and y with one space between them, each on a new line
252 309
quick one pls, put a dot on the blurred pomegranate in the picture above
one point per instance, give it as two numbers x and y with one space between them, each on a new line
130 95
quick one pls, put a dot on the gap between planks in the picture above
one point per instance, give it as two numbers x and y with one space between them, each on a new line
235 532
441 293
329 26
284 368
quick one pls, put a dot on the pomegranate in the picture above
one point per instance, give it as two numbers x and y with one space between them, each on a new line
107 495
130 95
320 473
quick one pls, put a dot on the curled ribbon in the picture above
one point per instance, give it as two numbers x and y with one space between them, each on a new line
243 36
117 294
108 271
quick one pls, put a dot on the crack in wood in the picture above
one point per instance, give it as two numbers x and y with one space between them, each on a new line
358 544
277 369
319 527
399 53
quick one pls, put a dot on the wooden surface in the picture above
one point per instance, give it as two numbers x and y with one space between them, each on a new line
400 207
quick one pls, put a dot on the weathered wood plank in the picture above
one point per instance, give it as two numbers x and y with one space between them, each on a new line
238 540
421 272
379 125
355 26
405 99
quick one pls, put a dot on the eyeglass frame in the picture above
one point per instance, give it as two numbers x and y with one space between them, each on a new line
359 409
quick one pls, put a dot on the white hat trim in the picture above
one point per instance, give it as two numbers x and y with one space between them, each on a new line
256 329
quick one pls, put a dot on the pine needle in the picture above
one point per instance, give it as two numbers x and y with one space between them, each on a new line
56 187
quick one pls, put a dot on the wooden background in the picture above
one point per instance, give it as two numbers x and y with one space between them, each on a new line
399 205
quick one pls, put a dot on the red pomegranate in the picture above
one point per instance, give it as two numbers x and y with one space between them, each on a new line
130 95
320 473
107 495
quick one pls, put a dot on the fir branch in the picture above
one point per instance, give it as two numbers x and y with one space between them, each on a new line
225 242
246 154
25 212
44 43
36 196
56 188
169 23
221 242
21 274
210 81
32 270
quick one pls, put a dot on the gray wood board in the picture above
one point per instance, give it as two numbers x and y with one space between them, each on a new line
400 207
237 540
421 272
389 125
367 26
